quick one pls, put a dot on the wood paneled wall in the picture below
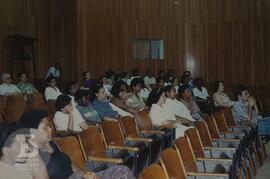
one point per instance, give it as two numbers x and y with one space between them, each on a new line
50 21
216 39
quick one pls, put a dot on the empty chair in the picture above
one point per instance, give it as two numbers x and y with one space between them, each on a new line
115 140
202 151
16 106
174 168
131 131
94 147
193 164
35 101
153 172
207 139
71 147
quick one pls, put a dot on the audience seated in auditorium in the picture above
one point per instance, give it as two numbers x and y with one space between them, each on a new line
161 74
187 99
51 92
24 86
175 106
175 84
145 91
54 71
13 164
85 107
149 79
245 110
58 164
86 81
201 96
186 80
134 99
110 74
7 88
220 97
160 116
101 103
67 118
70 89
125 77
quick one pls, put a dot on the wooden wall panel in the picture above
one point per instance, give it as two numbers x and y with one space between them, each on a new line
50 21
215 39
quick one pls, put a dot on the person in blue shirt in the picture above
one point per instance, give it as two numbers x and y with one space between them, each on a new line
101 103
85 108
246 110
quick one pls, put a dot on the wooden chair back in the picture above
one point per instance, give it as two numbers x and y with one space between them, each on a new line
50 104
204 133
153 171
71 147
36 101
112 133
227 112
13 114
92 142
195 142
144 122
172 163
220 121
16 100
184 148
212 126
52 126
129 126
3 106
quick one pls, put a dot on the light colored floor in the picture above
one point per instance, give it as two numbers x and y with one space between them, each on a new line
264 171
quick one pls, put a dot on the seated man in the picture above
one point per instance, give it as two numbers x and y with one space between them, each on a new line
245 110
67 118
175 106
85 107
7 88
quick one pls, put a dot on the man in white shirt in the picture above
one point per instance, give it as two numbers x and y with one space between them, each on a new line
6 88
174 105
149 79
67 117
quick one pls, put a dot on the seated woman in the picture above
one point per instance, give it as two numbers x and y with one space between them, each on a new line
187 99
101 104
107 86
58 164
175 106
70 89
24 86
85 107
67 118
51 91
87 81
160 116
7 88
118 101
220 97
12 163
145 91
134 99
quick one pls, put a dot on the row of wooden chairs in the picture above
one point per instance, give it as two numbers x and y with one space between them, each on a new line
247 152
13 106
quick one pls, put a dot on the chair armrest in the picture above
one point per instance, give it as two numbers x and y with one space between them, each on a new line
231 132
153 132
207 174
238 126
139 139
227 140
214 159
108 160
220 148
132 149
168 126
